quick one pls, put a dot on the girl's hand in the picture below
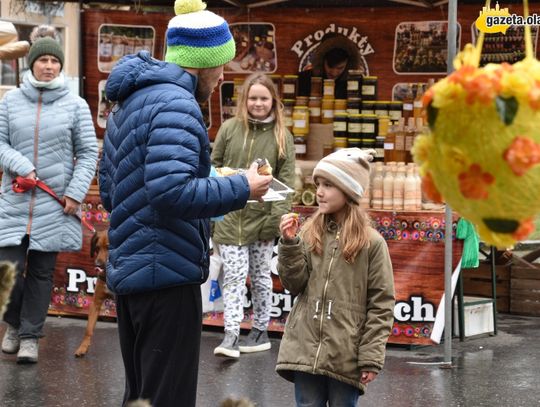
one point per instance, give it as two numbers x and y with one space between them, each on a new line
289 226
367 377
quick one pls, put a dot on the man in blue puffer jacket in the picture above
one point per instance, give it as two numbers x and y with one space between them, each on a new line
154 179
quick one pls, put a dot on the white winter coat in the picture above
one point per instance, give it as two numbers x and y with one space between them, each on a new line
44 130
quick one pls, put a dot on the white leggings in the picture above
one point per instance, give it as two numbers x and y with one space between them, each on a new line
238 261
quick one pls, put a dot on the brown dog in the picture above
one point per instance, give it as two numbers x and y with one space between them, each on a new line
99 249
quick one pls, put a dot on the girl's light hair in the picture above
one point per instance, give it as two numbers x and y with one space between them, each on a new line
277 108
353 236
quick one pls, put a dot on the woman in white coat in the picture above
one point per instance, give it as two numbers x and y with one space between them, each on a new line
46 133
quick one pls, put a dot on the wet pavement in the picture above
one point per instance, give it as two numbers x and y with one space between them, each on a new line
501 370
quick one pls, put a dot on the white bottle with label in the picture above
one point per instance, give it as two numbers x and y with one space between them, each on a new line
388 186
377 187
418 179
410 193
399 188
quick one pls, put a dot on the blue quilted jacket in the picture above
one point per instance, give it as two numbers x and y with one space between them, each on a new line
43 130
154 178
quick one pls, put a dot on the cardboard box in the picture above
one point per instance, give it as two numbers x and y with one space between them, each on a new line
478 316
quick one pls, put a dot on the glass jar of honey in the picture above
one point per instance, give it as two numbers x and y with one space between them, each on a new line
300 120
369 88
354 84
328 89
327 111
316 86
314 109
289 86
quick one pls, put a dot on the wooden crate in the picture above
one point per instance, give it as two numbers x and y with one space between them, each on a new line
525 290
477 283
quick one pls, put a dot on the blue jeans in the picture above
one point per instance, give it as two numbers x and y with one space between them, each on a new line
316 390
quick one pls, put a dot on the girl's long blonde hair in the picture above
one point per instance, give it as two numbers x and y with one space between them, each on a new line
277 108
354 235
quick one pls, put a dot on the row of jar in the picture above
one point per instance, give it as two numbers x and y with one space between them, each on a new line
358 86
339 112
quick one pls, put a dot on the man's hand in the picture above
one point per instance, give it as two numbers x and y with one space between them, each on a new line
367 377
71 206
258 184
32 175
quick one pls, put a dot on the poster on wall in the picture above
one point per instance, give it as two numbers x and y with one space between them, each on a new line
228 100
509 47
104 105
404 90
117 40
255 48
421 47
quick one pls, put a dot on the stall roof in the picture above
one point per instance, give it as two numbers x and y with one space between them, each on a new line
294 3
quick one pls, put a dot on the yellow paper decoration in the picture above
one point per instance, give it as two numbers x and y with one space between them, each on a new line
483 153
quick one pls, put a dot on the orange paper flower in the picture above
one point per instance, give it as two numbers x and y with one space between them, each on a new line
534 96
429 188
473 184
525 229
482 89
522 154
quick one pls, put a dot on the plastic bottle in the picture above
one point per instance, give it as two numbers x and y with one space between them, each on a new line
377 186
399 188
388 186
410 193
418 188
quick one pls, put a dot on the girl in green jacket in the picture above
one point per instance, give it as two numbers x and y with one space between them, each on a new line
246 237
340 270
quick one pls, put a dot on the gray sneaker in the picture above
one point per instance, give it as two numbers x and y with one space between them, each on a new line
11 341
28 352
256 341
229 346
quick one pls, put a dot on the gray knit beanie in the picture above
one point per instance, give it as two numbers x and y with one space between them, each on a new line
45 46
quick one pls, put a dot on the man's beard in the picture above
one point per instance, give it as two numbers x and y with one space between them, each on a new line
202 93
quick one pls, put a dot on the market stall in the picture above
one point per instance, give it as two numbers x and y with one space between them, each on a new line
390 48
416 244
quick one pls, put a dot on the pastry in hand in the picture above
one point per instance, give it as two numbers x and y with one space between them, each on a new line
263 166
226 171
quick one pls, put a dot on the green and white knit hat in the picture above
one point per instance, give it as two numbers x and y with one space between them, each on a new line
198 38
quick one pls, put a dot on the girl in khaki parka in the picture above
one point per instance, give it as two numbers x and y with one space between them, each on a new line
339 268
246 237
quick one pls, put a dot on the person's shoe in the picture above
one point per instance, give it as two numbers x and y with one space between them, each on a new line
229 346
28 352
256 341
11 341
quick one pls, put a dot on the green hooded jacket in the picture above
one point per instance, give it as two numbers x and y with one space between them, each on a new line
235 149
343 315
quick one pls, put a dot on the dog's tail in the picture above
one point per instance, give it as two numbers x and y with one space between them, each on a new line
7 280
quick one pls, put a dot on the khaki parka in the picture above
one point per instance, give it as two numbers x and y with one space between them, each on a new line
344 313
235 149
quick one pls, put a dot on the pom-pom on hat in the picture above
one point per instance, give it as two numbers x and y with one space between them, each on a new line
348 169
45 46
198 38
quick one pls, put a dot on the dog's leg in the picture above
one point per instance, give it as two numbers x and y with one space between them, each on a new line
100 294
